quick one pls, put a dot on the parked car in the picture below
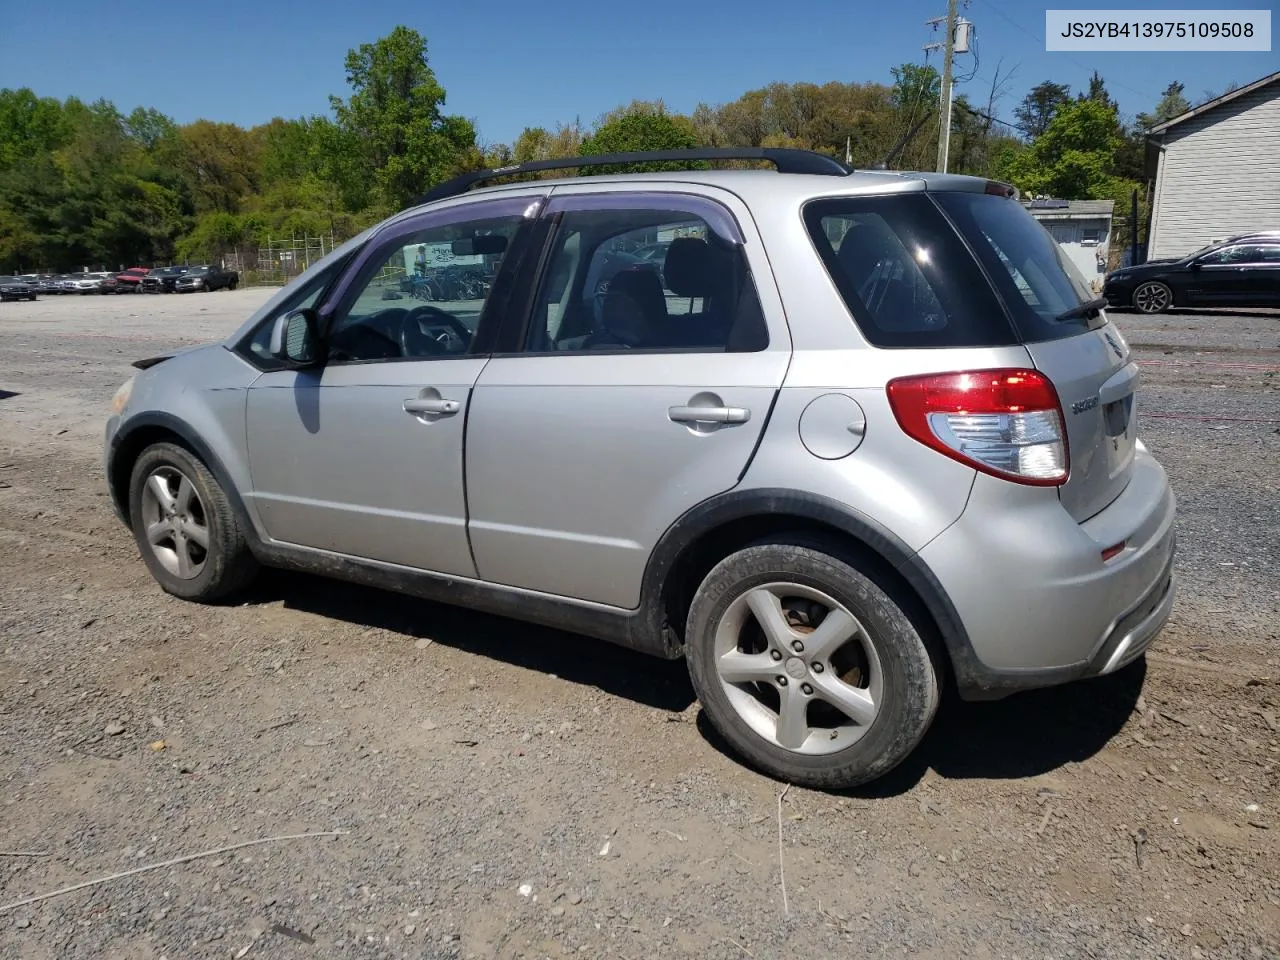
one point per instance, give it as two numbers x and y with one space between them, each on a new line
162 279
869 462
87 283
1243 271
206 278
130 281
13 288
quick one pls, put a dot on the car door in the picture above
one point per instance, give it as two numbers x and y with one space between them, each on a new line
1261 275
362 455
1218 278
623 402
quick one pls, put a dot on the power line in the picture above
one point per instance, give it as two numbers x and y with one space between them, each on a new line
1003 123
1040 40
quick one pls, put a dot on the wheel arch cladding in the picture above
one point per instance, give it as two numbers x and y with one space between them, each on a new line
715 528
152 428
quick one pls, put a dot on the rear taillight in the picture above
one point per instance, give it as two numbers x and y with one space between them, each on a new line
1007 423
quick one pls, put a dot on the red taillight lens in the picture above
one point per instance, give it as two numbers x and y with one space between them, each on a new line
1007 423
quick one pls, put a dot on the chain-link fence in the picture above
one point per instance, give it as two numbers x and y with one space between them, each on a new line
279 259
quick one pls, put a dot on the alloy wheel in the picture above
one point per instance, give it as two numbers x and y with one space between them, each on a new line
1151 297
176 522
799 668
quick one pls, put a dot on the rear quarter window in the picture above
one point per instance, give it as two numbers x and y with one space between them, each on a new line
905 274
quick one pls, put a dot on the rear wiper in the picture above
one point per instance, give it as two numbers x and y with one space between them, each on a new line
1083 310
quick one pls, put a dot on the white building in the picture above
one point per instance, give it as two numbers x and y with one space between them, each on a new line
1217 170
1082 229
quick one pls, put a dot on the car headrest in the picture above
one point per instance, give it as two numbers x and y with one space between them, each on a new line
693 268
634 305
861 250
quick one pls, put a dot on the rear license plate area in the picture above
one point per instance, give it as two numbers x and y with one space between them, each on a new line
1121 431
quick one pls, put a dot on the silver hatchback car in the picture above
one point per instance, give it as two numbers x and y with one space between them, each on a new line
844 438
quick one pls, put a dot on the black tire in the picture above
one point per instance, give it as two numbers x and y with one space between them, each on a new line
233 283
1152 297
228 564
910 678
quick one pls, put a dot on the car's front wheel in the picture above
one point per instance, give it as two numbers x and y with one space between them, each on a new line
809 669
185 526
1152 297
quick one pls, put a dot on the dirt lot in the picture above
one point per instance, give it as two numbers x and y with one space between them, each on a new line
463 757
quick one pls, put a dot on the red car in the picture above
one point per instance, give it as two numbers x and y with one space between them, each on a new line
128 282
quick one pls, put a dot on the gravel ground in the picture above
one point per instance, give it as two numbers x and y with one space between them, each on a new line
505 791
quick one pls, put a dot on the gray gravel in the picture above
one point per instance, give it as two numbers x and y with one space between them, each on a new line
1134 816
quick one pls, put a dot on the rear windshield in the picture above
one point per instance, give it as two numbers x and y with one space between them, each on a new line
1036 279
905 274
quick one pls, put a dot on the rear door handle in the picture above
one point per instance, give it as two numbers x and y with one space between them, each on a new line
423 405
709 414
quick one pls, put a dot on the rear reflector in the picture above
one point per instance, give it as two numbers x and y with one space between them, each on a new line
1114 551
1007 423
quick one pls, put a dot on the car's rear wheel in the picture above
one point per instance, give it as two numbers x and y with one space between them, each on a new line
1152 297
809 669
185 526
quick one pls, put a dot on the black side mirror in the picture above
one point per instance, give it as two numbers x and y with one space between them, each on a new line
296 339
1195 264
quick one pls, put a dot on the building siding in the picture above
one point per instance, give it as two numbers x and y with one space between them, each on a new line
1069 235
1219 175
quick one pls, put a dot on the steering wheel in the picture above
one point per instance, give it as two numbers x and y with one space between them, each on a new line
421 334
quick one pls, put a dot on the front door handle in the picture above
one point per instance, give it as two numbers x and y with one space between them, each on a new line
709 414
419 406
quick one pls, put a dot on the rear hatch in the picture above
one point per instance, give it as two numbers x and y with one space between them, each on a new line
1068 336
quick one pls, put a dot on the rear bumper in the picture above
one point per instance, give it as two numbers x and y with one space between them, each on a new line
1037 603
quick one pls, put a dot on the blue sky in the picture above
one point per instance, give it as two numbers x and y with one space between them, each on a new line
510 64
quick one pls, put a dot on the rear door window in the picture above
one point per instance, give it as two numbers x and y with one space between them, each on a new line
1036 279
905 274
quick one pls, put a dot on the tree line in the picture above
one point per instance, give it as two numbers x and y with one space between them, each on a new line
83 184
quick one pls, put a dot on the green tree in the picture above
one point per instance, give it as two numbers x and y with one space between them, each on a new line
395 113
532 144
640 131
1172 104
150 128
29 125
220 163
1039 107
1097 92
1075 157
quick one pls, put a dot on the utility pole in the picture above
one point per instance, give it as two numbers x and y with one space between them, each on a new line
944 100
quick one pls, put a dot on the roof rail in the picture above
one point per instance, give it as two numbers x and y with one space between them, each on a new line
786 159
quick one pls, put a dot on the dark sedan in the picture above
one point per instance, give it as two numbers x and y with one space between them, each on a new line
1241 272
15 288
